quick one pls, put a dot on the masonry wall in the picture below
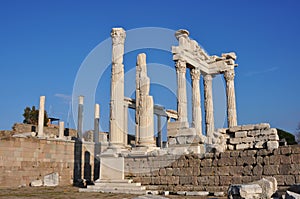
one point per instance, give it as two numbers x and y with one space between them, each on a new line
25 159
215 172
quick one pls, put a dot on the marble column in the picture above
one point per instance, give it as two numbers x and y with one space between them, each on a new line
230 93
116 121
80 116
41 117
209 107
61 134
159 132
196 101
145 105
181 91
96 123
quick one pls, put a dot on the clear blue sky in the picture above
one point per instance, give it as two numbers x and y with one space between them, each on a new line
43 44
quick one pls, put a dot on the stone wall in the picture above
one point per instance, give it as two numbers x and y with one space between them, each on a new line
216 171
25 159
48 131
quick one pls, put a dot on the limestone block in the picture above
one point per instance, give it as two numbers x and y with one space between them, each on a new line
172 141
272 145
51 180
197 193
259 145
248 191
292 195
235 129
248 127
242 146
111 168
271 131
240 134
235 140
274 137
177 125
181 139
262 126
230 147
36 183
269 187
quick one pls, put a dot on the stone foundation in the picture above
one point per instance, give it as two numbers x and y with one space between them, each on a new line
216 171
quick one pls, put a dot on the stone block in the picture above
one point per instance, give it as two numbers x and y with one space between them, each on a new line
111 168
244 191
248 127
242 146
295 158
240 134
289 180
271 170
262 126
197 193
235 129
177 125
235 171
235 140
253 133
295 149
36 183
51 180
272 145
258 170
181 139
269 187
172 141
206 162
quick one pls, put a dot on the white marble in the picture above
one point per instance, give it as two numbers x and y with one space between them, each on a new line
41 117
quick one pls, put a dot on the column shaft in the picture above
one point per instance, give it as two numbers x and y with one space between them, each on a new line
159 132
196 101
117 88
61 130
80 117
181 91
41 117
209 107
96 123
230 93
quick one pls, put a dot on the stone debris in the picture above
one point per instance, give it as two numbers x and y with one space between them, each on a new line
36 183
51 180
261 189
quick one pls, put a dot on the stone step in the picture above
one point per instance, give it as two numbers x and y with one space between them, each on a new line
112 190
104 184
117 187
115 181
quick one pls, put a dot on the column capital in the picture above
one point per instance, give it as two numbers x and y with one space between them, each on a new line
181 66
195 74
118 36
182 33
229 75
208 77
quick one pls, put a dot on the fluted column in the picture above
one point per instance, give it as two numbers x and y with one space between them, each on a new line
117 88
230 93
196 101
209 107
41 117
181 91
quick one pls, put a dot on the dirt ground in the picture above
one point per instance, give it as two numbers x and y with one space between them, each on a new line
68 192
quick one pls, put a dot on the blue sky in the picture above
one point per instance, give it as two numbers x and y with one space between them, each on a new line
43 44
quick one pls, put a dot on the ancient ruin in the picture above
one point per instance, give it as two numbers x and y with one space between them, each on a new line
194 161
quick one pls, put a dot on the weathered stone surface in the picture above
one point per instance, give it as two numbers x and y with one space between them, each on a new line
244 191
36 183
269 187
240 134
51 180
272 145
197 193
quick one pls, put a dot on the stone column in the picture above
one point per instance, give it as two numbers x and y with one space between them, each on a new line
125 139
80 117
41 117
159 132
61 130
196 101
144 106
96 123
209 107
117 88
230 92
181 91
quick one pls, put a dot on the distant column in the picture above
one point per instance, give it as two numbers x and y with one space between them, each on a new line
209 107
96 123
181 91
159 132
196 101
61 130
125 124
230 93
80 116
116 130
41 117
